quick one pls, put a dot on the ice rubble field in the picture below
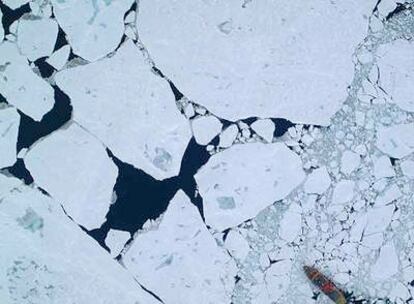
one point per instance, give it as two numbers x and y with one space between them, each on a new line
202 151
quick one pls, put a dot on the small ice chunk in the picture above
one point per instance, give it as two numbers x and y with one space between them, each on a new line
383 167
237 245
228 136
36 37
115 240
349 162
318 181
343 192
9 128
74 168
123 118
13 4
389 195
264 128
385 7
396 65
379 219
185 255
277 279
130 18
93 28
205 128
386 264
397 141
228 201
290 225
59 58
407 168
21 86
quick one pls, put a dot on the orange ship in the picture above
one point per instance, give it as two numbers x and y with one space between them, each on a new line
325 285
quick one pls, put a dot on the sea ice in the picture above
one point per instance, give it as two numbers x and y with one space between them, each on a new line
264 128
343 192
36 37
93 28
130 109
59 58
74 168
397 140
396 65
180 261
232 196
386 264
206 128
9 128
49 259
383 167
284 68
407 168
21 86
13 4
115 240
237 245
349 162
228 136
318 181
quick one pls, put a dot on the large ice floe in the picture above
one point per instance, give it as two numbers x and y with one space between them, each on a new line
264 58
236 186
182 254
47 258
74 168
130 109
21 86
94 28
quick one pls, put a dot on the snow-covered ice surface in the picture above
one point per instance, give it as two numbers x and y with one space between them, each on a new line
130 109
69 165
205 151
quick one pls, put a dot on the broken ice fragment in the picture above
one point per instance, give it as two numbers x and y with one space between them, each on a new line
206 128
64 263
396 65
288 74
59 58
318 181
237 245
228 136
407 168
9 128
122 114
115 240
349 162
184 254
386 264
74 168
13 4
290 225
383 167
343 192
397 141
276 170
93 28
264 128
36 37
21 86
